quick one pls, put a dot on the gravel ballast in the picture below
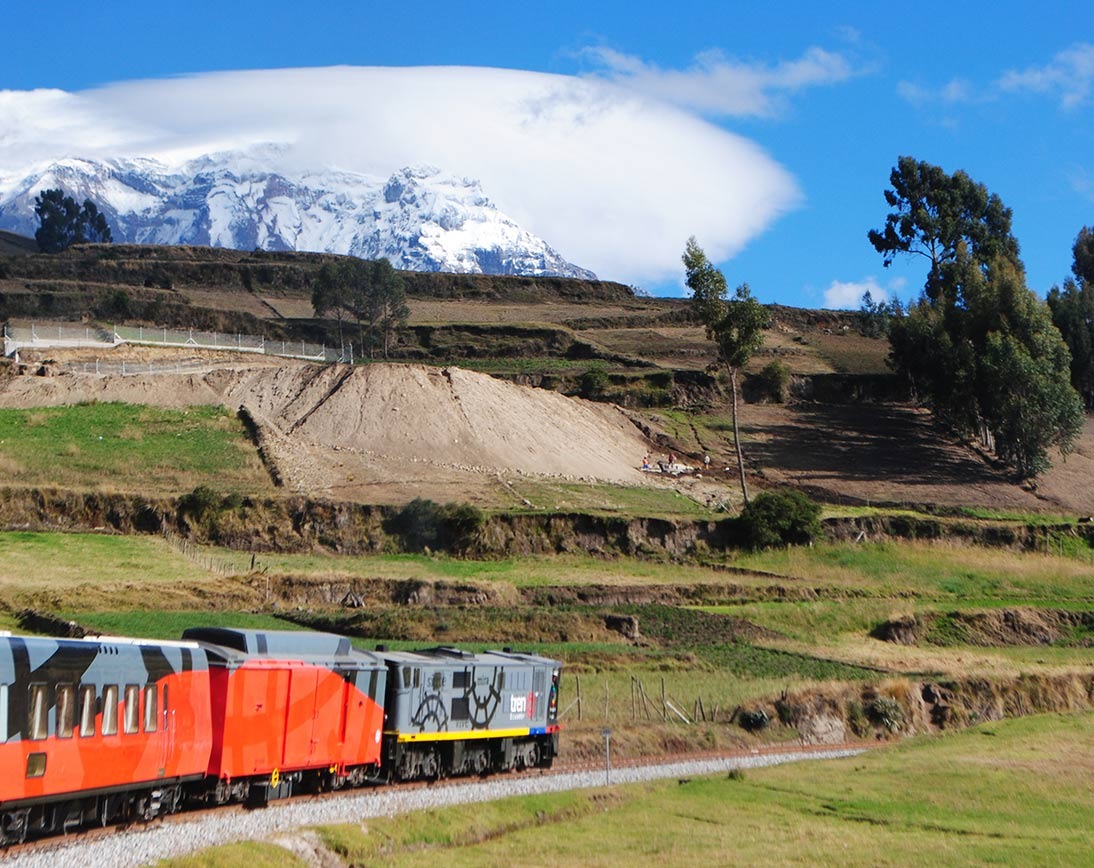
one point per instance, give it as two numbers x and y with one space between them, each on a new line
143 846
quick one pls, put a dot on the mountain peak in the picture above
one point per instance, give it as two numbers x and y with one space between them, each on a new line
421 218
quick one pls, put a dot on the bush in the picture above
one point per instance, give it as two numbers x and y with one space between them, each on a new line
775 380
593 382
886 711
777 518
857 718
199 503
423 524
115 305
754 720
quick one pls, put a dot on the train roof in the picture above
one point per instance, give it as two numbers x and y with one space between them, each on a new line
456 656
295 644
119 641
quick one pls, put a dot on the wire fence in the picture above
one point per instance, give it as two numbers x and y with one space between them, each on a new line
42 335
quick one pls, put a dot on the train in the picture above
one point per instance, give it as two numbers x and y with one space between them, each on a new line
109 729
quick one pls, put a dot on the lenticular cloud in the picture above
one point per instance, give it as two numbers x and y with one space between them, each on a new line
612 179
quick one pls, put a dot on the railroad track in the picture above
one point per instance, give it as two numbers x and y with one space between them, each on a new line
65 849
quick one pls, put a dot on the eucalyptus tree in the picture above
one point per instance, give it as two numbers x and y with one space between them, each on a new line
63 223
735 325
978 347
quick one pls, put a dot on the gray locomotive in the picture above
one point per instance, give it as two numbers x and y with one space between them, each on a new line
451 712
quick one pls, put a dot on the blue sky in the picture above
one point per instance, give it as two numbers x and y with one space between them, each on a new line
812 103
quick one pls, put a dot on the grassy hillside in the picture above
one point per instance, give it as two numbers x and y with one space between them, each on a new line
123 447
1011 793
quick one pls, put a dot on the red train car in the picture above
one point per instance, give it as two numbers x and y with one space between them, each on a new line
98 729
290 710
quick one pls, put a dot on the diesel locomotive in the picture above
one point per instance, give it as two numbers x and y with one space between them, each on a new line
95 731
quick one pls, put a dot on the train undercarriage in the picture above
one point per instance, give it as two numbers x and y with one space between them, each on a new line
409 761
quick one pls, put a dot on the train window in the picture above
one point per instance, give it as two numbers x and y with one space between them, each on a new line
460 680
406 677
87 710
373 684
132 709
437 681
110 709
417 677
501 680
3 713
37 712
36 765
166 717
151 714
66 709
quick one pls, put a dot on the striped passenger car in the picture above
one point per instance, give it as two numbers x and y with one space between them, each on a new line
457 712
98 730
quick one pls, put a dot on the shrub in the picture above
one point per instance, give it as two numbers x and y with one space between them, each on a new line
775 380
857 718
754 721
886 711
593 382
115 305
775 518
199 503
462 523
423 524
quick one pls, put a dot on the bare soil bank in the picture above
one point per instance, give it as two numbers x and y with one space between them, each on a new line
299 524
385 433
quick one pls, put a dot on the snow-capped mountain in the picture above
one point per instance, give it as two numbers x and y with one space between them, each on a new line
420 218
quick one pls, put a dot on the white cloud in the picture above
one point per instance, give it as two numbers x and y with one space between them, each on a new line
1069 76
613 179
954 92
848 295
721 86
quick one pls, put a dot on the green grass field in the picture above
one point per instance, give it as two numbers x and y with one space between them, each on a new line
1015 792
123 447
54 562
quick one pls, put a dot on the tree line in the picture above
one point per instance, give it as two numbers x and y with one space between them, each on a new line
371 292
980 349
62 223
978 346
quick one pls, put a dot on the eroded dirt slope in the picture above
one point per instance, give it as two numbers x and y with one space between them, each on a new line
385 433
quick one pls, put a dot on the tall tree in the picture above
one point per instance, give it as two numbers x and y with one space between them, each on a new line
1073 313
63 223
1083 256
332 292
934 212
371 290
735 325
979 347
385 303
